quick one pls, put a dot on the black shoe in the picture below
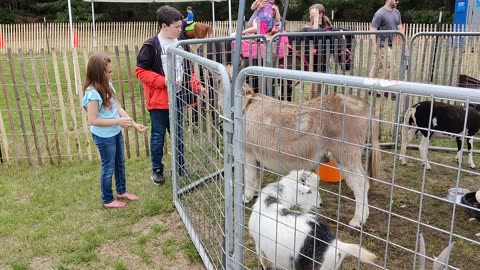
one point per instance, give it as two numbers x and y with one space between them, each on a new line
182 172
157 177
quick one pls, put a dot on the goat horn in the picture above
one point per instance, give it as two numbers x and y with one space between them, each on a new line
441 262
422 253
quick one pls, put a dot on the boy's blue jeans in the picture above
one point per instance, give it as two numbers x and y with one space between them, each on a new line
160 122
113 161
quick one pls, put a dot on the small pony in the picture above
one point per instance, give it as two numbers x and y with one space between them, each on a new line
200 30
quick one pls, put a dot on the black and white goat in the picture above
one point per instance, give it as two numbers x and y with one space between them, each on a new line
296 239
445 118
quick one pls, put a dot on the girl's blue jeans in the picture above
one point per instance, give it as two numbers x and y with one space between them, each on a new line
113 162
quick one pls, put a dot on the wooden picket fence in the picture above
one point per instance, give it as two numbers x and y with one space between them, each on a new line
41 118
38 36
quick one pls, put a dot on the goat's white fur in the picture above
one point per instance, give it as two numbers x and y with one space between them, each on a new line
279 234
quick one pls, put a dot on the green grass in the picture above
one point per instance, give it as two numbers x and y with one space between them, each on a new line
53 214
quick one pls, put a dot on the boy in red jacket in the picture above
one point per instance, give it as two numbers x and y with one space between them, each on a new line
151 70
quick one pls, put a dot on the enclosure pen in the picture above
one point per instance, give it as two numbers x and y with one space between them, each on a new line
42 122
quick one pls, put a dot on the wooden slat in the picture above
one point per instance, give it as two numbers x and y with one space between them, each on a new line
12 125
61 104
85 127
29 105
4 151
121 98
144 114
19 108
51 103
38 93
79 87
71 100
132 98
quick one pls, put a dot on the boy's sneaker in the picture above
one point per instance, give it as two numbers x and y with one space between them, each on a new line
157 177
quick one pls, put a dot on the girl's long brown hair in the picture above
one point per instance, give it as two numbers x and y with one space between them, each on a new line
326 22
97 77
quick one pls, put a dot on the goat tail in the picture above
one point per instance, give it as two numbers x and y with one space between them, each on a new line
357 251
375 157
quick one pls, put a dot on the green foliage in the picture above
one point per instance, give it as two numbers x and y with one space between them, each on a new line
426 16
57 11
7 16
346 10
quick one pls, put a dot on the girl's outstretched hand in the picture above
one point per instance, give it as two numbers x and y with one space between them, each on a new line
139 127
125 122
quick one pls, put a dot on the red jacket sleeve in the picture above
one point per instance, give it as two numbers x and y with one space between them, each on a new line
195 84
150 78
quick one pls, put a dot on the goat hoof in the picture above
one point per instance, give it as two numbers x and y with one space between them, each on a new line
355 223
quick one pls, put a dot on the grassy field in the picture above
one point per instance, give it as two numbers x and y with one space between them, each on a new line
51 218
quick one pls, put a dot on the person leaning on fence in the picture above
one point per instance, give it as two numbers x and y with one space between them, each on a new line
106 118
386 18
152 70
319 22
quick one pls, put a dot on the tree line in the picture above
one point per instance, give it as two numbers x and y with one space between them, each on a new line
31 11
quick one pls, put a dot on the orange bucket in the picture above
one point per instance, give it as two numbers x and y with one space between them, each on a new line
329 172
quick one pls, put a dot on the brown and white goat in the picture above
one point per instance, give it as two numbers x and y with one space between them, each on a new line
282 136
445 118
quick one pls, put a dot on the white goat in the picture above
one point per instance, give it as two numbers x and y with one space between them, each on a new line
287 239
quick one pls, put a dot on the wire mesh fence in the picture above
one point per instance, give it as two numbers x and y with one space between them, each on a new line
379 214
404 201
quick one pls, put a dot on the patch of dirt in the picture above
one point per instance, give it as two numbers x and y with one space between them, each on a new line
123 252
41 263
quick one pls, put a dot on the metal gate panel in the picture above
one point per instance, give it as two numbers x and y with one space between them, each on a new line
400 209
203 197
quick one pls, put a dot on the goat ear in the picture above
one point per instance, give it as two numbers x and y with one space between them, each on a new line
421 260
441 262
247 89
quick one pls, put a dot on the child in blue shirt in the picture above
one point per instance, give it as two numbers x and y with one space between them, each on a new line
106 118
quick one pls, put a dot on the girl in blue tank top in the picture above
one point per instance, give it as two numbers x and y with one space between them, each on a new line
106 118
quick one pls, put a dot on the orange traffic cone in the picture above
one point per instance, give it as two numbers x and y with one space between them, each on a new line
2 42
75 38
329 172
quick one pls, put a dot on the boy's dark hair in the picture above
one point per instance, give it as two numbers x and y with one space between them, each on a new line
168 15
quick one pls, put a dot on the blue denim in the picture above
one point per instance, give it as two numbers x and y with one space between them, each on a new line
160 121
113 161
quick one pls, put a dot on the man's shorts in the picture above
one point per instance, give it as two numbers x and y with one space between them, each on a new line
383 58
